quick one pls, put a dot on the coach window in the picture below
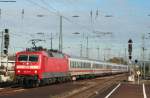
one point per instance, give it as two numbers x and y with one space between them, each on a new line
97 66
71 64
104 66
89 65
79 64
85 65
108 66
101 65
93 65
74 64
117 67
82 64
23 58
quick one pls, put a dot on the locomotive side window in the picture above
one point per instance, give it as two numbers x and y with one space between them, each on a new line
33 58
23 58
50 54
57 55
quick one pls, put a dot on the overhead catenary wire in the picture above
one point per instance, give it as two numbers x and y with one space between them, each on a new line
48 5
55 12
36 4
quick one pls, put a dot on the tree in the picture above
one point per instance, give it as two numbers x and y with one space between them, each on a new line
117 60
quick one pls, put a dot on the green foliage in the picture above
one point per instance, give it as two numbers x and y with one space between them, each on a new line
117 60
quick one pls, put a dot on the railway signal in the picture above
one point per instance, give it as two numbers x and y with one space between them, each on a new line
131 69
130 48
6 41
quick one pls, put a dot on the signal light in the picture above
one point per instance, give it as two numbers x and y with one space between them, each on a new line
136 61
5 51
6 30
130 57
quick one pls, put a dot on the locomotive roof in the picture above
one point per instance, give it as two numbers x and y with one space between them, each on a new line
29 50
46 52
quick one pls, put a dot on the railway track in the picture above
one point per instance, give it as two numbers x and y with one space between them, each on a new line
6 84
77 89
93 87
10 90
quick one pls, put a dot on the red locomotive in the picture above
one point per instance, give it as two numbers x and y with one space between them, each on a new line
46 66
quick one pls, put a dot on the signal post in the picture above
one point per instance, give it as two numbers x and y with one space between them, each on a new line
4 50
131 68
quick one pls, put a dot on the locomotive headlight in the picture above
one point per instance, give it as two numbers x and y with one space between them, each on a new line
35 71
18 71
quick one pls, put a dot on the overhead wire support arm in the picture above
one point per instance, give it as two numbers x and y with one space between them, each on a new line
7 1
56 12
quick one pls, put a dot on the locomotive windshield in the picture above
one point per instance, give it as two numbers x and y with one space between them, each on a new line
23 58
30 58
33 58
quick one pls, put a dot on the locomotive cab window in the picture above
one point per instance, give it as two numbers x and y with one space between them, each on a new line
33 58
23 58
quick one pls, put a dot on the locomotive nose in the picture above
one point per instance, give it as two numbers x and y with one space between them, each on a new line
27 64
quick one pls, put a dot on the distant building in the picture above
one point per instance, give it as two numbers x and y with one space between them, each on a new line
6 69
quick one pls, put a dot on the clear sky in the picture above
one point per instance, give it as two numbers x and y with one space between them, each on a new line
128 19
